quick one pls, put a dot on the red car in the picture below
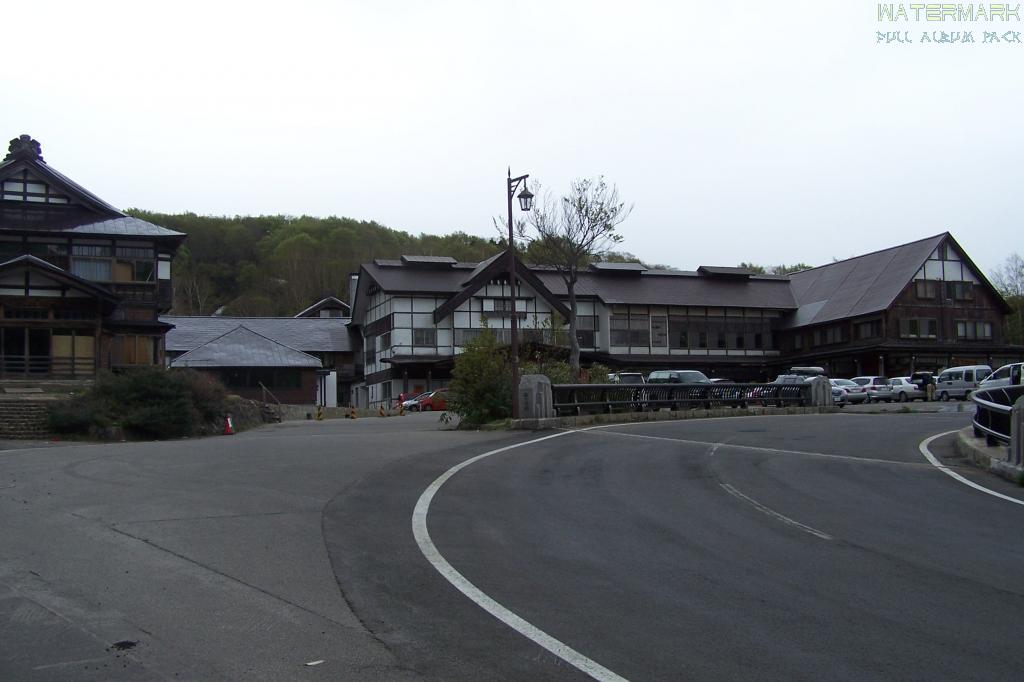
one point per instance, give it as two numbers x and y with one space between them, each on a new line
435 400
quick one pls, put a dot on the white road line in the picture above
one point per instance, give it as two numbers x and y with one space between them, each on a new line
774 514
430 551
774 451
923 447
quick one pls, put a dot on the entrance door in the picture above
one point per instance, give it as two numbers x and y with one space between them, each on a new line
39 351
14 350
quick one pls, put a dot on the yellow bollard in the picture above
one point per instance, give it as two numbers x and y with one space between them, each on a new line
401 410
319 413
352 412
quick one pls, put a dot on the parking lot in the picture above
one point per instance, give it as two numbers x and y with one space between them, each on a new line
771 547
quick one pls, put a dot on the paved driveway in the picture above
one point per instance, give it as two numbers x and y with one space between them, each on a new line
771 547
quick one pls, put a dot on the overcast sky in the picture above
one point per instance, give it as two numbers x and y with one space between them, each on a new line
747 131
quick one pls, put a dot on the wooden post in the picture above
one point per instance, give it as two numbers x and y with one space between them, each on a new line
1016 455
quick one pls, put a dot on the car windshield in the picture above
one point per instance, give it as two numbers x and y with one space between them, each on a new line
843 382
631 379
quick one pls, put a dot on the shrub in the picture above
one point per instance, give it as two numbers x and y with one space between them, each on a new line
145 402
481 385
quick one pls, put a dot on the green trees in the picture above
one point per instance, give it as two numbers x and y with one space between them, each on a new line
1009 280
278 265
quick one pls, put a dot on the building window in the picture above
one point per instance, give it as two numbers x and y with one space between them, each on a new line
960 291
970 330
829 335
659 331
424 337
798 342
586 330
26 313
919 328
503 305
869 330
926 289
134 264
385 341
758 341
630 330
370 350
464 336
26 188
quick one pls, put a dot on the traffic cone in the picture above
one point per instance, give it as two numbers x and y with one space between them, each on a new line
229 426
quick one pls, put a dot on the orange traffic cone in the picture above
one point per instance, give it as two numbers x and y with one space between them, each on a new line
229 426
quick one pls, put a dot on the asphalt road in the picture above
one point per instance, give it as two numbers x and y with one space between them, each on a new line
761 547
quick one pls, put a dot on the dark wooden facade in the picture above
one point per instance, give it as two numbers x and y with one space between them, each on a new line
81 283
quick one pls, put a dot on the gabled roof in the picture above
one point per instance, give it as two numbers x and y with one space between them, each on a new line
63 276
865 284
329 302
492 268
83 213
308 334
242 347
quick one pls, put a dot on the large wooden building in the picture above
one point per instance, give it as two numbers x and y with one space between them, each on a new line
917 306
81 283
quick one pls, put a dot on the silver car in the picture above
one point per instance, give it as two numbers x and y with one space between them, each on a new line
878 387
855 393
903 390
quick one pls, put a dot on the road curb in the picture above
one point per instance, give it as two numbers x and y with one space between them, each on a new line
634 417
988 457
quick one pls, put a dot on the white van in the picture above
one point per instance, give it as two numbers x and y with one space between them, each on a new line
1007 375
958 382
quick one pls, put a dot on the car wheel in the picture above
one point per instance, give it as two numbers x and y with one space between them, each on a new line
944 397
903 396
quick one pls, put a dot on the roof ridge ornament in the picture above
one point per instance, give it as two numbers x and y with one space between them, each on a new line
25 148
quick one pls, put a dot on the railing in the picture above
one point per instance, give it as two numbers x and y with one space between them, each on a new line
43 366
575 399
994 409
265 392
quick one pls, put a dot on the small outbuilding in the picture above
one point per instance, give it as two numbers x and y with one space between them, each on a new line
249 364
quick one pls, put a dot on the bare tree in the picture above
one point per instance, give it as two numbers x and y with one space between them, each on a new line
1009 280
572 231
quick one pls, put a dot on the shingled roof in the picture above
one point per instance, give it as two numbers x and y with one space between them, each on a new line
242 347
308 334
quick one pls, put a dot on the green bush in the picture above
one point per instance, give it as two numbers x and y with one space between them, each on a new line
481 387
145 403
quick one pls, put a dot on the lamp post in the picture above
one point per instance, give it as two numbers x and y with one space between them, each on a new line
525 203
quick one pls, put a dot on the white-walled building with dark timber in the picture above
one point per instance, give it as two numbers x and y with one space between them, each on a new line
918 306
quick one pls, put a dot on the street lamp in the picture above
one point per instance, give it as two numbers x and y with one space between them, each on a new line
525 203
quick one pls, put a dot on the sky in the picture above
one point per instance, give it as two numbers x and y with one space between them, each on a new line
765 132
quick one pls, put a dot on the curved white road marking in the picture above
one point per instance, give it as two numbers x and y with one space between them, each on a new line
774 514
923 447
430 551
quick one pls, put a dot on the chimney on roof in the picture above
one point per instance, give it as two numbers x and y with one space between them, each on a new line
25 148
353 284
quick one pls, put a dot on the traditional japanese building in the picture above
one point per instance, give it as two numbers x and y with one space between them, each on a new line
81 283
917 306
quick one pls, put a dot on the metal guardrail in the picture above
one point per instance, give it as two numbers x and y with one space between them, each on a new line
576 399
994 409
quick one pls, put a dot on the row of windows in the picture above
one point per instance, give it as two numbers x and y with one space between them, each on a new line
928 289
659 331
970 330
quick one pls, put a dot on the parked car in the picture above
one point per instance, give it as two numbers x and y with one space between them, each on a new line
959 382
409 402
855 393
626 378
877 387
686 397
903 389
1007 375
434 401
840 397
677 376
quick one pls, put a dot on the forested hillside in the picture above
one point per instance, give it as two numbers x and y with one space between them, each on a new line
278 265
